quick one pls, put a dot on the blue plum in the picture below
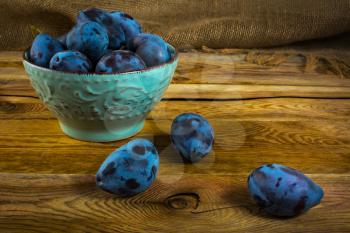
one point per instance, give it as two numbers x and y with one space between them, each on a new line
93 14
119 61
129 170
283 191
70 61
63 39
89 38
142 38
43 48
153 54
192 136
130 25
151 48
115 31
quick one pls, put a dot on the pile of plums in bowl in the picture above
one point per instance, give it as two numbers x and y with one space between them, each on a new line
100 42
103 77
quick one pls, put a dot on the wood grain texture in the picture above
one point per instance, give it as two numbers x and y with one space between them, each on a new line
260 114
248 133
72 203
277 109
215 76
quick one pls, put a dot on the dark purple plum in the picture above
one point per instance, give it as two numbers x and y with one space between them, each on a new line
115 31
93 14
63 39
119 61
129 170
89 38
283 191
192 136
153 54
43 48
142 38
151 48
71 61
130 26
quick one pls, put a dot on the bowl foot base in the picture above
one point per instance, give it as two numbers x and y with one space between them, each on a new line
100 134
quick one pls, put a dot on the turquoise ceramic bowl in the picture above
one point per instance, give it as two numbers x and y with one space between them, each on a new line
101 107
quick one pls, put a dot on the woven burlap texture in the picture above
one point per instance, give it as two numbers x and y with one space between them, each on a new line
187 23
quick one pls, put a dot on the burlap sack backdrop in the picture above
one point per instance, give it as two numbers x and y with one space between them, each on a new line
187 23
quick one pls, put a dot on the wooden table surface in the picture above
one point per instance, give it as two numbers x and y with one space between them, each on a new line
263 109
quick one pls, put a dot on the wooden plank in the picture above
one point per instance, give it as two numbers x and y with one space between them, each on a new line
204 68
200 203
219 91
13 58
23 108
309 131
316 146
216 68
21 87
276 109
297 132
217 76
15 85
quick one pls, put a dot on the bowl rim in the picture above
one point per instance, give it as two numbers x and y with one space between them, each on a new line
173 59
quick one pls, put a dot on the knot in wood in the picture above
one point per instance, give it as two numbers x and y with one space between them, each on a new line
183 201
